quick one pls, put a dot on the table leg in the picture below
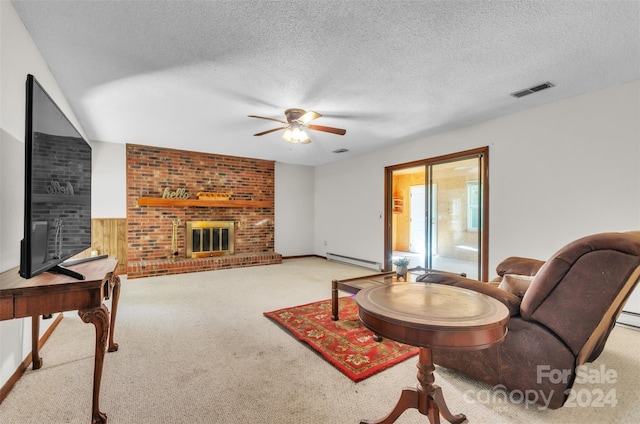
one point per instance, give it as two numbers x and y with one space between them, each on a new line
99 317
426 398
334 300
115 282
36 360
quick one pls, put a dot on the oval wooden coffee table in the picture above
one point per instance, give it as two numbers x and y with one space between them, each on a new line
431 315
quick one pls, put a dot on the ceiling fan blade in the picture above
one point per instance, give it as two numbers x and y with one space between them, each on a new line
270 131
270 119
308 117
332 130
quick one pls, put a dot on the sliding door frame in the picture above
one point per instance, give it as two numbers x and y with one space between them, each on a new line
483 173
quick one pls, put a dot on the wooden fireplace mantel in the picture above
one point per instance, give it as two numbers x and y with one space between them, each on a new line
159 201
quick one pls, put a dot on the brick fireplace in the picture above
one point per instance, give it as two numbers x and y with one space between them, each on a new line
156 226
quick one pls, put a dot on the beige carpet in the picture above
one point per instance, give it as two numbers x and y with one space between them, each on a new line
196 348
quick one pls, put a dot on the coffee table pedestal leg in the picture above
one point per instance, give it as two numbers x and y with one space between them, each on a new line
426 398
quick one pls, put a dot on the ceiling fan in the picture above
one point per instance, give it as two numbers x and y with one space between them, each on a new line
297 121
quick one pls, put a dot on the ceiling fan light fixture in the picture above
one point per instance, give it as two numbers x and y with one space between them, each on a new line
295 125
287 134
295 134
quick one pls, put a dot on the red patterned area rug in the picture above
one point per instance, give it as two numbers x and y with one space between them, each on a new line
346 343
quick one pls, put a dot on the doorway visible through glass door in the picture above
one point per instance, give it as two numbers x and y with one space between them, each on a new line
448 195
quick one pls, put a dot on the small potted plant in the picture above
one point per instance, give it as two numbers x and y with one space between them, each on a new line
401 267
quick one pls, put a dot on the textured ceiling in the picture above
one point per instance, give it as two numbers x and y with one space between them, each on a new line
185 74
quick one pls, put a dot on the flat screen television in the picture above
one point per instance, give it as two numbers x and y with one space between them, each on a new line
57 198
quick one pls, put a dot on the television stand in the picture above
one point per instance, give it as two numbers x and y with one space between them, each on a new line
61 269
83 260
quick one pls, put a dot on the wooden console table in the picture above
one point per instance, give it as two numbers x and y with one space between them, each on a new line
50 293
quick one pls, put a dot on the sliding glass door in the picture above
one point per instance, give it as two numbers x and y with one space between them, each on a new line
437 213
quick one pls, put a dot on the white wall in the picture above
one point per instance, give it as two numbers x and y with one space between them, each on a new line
349 199
12 198
294 209
108 180
19 57
556 173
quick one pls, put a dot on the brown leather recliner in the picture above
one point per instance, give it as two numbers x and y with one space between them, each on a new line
562 321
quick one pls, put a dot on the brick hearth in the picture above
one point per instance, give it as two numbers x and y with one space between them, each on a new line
184 265
150 170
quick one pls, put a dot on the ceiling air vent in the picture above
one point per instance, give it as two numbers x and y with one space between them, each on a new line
340 150
532 90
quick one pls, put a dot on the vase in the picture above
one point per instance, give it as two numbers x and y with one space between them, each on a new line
401 272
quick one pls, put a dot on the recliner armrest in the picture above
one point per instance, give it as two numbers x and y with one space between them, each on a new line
511 301
519 266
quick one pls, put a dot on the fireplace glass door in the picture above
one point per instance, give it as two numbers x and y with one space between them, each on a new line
209 238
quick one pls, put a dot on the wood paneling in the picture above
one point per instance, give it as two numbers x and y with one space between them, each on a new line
109 237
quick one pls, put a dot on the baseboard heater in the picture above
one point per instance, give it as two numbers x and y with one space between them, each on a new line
354 261
630 319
